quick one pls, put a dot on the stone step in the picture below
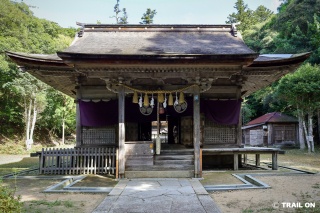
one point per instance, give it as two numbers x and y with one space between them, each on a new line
177 152
174 162
160 174
173 157
170 167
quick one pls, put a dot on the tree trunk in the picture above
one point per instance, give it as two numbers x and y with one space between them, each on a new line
306 135
26 117
301 138
318 125
33 121
28 145
310 130
63 127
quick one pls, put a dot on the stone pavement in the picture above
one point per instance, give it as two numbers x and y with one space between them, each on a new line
152 195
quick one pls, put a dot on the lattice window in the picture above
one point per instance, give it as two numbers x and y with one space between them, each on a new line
98 136
284 133
219 134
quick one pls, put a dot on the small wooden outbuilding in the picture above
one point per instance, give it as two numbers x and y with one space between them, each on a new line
271 129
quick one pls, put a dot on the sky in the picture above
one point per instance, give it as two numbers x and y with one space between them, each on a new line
67 12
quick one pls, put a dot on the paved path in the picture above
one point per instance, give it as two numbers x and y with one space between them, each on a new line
157 196
4 158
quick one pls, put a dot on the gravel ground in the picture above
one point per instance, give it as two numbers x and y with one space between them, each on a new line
285 191
4 159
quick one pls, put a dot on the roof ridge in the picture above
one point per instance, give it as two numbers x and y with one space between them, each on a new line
274 113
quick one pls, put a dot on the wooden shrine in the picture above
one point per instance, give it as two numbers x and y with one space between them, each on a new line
159 93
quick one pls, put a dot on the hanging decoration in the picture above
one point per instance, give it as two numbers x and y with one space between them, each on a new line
165 101
152 102
135 97
181 98
146 110
140 101
177 100
161 109
146 100
160 98
146 107
180 108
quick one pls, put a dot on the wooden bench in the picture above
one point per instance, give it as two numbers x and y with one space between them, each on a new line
237 152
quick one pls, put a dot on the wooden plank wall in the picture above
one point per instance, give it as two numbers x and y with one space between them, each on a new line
77 161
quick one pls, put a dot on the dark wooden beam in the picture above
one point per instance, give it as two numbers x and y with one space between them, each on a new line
121 109
196 131
78 119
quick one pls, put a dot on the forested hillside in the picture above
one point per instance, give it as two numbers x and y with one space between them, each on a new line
25 102
295 29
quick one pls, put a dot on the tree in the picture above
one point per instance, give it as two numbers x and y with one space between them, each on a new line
147 17
32 101
64 116
22 97
243 16
262 14
120 19
301 90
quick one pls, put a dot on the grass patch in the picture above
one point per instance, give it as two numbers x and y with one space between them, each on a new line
96 181
316 186
25 163
219 178
48 204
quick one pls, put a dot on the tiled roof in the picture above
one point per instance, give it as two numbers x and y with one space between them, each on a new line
273 117
155 40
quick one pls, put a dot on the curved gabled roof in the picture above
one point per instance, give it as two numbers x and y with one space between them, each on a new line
158 40
214 50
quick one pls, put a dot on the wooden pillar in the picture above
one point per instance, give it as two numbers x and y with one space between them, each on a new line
121 109
239 131
196 131
240 160
235 162
245 158
257 159
270 135
274 161
78 118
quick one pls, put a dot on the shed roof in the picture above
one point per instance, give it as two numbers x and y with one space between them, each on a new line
273 117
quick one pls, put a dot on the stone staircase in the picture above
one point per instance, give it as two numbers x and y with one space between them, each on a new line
169 164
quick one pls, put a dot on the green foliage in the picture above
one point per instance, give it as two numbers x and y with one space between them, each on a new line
8 202
59 106
147 17
291 31
247 17
20 31
301 89
120 19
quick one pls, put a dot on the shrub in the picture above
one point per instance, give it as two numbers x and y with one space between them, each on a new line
8 203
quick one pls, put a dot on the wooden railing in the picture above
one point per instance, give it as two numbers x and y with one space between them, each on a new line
76 161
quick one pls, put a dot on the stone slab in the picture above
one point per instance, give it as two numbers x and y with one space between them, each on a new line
170 195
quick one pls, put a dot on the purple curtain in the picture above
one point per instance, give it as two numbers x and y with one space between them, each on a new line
222 112
98 114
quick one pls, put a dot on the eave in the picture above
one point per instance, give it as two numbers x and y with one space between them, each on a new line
98 60
37 60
